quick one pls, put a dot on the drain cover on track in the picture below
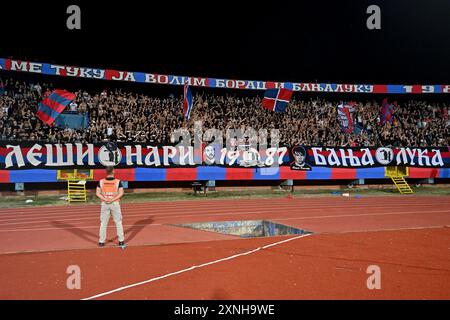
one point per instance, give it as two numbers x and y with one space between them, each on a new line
246 228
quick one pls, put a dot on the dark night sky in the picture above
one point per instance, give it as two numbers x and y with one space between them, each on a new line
274 40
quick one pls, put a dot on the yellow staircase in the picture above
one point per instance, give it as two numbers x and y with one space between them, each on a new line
397 175
402 186
76 190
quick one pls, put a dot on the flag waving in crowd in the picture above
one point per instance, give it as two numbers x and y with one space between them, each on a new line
277 99
386 111
53 105
187 101
345 111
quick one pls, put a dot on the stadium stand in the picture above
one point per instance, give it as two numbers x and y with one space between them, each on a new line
118 115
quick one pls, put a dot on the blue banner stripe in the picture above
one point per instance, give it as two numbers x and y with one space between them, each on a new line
444 173
47 69
211 173
395 89
139 76
318 173
212 82
149 174
33 175
370 173
267 173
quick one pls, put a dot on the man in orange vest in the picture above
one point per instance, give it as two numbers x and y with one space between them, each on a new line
110 190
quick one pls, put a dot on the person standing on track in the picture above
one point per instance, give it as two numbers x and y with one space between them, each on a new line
110 190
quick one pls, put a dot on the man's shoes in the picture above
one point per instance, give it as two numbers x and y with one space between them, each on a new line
101 244
122 244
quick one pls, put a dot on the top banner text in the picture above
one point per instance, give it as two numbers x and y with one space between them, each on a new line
153 78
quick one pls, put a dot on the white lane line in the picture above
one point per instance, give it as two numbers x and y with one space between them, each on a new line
83 227
273 218
362 215
385 229
193 267
155 214
175 215
162 210
244 203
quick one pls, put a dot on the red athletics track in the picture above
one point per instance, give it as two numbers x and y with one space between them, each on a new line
406 236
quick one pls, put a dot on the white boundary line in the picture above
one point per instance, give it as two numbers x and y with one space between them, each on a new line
274 218
58 211
194 267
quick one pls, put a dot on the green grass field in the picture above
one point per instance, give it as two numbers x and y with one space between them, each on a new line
50 200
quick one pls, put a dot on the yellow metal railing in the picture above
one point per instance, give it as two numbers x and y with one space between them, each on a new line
395 171
402 186
397 175
76 190
76 183
85 174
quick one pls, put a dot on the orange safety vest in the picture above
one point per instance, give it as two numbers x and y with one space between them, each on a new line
109 188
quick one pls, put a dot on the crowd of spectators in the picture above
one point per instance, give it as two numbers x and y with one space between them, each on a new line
117 115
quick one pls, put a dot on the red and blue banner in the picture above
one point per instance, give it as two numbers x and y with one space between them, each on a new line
33 155
386 111
345 117
206 82
187 101
277 99
52 106
205 173
34 162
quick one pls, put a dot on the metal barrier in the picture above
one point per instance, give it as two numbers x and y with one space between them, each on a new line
397 175
76 183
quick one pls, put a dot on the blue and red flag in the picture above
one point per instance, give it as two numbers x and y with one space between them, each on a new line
386 111
277 99
345 116
187 101
53 105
